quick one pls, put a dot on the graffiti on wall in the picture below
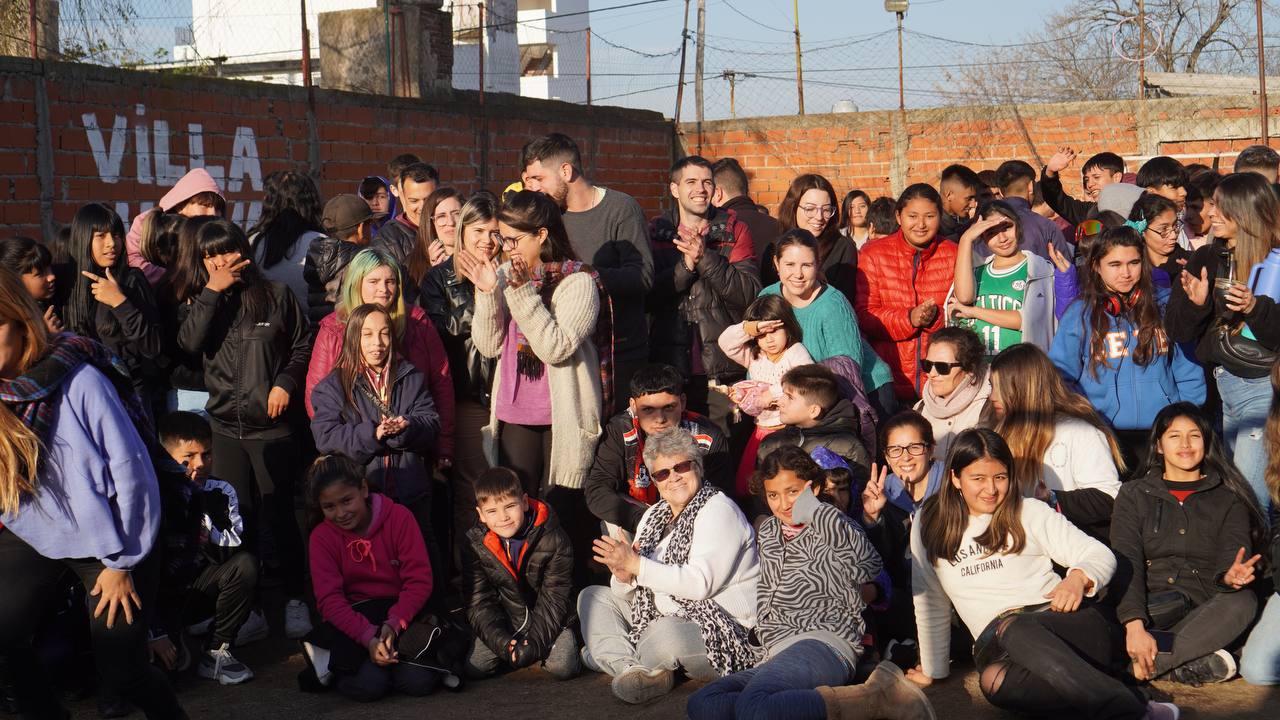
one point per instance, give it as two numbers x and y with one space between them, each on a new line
154 161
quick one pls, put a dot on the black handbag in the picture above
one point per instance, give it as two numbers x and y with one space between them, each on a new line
1241 357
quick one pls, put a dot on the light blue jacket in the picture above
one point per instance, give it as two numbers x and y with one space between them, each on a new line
1038 320
97 496
1127 394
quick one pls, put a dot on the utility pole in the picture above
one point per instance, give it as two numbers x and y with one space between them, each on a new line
795 8
697 81
1262 80
306 48
588 64
732 77
684 46
899 8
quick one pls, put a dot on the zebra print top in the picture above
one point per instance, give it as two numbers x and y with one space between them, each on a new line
811 585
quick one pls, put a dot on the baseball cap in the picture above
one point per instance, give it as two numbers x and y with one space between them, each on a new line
346 211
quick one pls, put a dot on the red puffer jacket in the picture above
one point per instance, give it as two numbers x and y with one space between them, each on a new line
893 277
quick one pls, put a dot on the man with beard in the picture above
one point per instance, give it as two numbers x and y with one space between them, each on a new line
705 275
607 230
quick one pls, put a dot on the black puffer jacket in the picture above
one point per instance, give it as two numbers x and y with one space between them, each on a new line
836 431
618 464
244 358
1164 545
707 300
450 302
529 601
397 238
326 260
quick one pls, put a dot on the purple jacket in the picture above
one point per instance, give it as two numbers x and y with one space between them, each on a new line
98 496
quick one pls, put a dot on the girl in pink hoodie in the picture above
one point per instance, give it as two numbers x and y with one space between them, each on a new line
371 577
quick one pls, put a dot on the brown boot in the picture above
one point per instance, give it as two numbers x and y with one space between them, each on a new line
886 695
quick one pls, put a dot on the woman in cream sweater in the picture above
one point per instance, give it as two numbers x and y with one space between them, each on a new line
546 317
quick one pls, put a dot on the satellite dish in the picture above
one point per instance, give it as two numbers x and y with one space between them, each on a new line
844 106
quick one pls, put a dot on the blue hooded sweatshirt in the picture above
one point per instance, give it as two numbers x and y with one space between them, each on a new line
1127 394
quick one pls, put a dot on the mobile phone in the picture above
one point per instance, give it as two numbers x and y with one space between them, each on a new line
1164 641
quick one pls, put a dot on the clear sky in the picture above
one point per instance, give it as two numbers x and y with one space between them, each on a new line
844 58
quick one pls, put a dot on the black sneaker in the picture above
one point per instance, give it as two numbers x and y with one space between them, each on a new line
903 653
1215 668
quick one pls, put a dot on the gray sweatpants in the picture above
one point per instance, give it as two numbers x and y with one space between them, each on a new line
668 643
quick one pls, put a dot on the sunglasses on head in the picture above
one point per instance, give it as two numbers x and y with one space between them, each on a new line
943 368
681 467
1088 228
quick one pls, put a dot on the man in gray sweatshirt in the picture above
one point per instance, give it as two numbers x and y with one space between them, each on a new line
607 229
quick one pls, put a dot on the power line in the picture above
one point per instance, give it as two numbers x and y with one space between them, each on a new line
750 19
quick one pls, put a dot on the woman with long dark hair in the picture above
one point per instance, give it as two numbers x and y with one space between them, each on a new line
547 319
437 235
854 209
1156 218
290 220
1236 332
1112 342
811 204
1189 584
33 264
980 547
1064 452
78 492
110 301
253 338
903 282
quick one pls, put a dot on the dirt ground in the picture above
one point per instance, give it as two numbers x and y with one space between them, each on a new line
532 695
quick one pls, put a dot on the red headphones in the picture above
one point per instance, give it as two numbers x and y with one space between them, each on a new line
1116 303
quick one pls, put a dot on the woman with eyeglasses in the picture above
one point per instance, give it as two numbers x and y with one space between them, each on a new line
683 596
1236 330
1157 218
1112 342
1064 452
811 204
436 236
955 397
903 284
546 318
449 300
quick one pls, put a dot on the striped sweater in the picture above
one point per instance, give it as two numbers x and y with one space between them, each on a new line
810 586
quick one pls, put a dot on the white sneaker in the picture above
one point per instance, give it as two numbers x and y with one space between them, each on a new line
297 619
318 658
638 684
255 628
219 664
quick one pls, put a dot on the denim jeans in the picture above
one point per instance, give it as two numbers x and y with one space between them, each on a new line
188 400
783 686
668 643
1245 404
1260 664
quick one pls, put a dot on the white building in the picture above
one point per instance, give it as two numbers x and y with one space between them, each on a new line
529 47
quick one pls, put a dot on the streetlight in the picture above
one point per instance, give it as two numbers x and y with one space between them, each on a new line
899 7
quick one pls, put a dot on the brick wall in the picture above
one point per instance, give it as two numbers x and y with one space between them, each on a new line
882 152
71 134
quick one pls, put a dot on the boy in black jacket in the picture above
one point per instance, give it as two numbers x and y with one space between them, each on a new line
518 568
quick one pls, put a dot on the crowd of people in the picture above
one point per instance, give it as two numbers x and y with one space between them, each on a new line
813 462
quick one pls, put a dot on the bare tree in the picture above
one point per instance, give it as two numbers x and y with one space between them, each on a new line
1088 50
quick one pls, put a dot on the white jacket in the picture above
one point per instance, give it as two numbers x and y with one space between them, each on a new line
1079 457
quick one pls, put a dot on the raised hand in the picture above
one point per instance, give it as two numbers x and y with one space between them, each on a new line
873 497
1060 261
691 245
1061 160
105 289
1196 288
436 252
519 272
223 275
979 228
483 274
1241 572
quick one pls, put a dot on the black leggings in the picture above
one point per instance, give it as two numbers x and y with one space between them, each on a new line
263 473
120 652
526 449
1051 662
1207 628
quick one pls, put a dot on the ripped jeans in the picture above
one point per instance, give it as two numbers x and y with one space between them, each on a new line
1038 662
1245 404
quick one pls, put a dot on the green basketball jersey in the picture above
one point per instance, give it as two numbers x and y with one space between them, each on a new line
999 290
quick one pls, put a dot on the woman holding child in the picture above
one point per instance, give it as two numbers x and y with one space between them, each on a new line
684 596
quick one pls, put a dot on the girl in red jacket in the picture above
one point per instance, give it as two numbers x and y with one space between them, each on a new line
903 281
371 576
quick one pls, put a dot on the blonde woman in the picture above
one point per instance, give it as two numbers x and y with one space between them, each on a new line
78 492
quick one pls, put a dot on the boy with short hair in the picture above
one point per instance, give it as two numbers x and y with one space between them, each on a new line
1099 171
397 166
201 535
1167 178
816 416
959 187
518 571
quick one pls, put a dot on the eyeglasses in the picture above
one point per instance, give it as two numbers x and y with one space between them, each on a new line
943 368
1088 228
510 242
452 216
681 468
1169 232
825 211
893 452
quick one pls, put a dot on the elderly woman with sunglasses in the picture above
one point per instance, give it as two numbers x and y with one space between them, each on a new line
955 396
683 597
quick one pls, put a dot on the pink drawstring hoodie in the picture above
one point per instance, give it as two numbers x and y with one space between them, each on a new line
388 561
196 181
